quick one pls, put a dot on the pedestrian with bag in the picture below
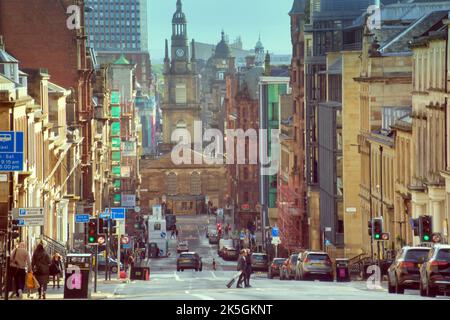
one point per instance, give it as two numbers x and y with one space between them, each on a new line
41 268
56 269
242 268
20 260
248 268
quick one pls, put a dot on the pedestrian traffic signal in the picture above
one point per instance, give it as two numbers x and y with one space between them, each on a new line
113 226
377 228
425 228
93 231
102 226
15 229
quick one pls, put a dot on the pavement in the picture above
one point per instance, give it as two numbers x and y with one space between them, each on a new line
168 284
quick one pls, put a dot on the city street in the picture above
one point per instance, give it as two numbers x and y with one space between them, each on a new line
167 284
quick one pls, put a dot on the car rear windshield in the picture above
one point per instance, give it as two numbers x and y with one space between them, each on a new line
188 256
260 257
416 255
444 255
318 257
278 261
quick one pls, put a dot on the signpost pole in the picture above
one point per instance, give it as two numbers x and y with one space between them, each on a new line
119 244
96 268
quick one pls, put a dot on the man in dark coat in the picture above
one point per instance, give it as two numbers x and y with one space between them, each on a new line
41 268
241 267
248 268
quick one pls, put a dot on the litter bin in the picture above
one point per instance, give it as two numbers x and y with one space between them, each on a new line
141 271
78 276
342 270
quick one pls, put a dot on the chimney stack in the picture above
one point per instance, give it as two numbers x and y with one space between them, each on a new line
250 61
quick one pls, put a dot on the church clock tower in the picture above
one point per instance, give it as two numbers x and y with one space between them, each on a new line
181 103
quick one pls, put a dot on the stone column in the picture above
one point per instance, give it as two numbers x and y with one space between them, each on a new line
436 213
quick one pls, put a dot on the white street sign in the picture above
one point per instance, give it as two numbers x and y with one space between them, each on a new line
23 213
276 240
31 222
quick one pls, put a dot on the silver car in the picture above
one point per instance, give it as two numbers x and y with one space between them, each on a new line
314 265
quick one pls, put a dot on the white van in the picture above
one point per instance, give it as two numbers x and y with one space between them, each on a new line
224 243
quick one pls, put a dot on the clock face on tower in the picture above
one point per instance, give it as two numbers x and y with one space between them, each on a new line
180 53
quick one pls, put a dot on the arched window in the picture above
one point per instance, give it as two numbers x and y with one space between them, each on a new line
196 183
172 183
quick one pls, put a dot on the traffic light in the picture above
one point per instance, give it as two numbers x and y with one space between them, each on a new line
93 231
416 227
113 226
377 228
369 227
102 226
425 228
15 229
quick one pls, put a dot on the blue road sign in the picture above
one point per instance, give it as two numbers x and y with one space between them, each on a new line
126 246
11 151
118 213
82 218
275 232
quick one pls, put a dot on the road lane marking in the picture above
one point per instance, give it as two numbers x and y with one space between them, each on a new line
177 277
187 292
214 275
203 297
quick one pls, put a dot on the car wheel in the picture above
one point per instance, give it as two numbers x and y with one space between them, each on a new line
182 270
178 269
399 288
422 291
391 288
269 275
431 292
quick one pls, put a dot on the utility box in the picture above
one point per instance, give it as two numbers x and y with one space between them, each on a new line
78 276
342 270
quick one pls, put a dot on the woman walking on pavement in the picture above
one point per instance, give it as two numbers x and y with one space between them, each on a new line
56 269
20 259
41 268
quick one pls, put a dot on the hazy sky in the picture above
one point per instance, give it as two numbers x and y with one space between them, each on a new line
206 18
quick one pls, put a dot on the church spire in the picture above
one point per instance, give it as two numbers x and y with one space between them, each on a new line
179 6
193 58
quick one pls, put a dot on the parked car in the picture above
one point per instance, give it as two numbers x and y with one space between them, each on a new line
189 260
112 264
435 272
214 237
260 261
274 268
182 247
230 253
314 265
405 270
287 271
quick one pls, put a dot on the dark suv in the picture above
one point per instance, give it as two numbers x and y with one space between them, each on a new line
435 272
189 260
404 273
260 262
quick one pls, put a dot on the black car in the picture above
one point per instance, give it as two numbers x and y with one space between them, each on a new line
435 272
189 260
260 261
112 264
404 273
274 268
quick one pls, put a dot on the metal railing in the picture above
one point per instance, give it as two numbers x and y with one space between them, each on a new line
52 246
